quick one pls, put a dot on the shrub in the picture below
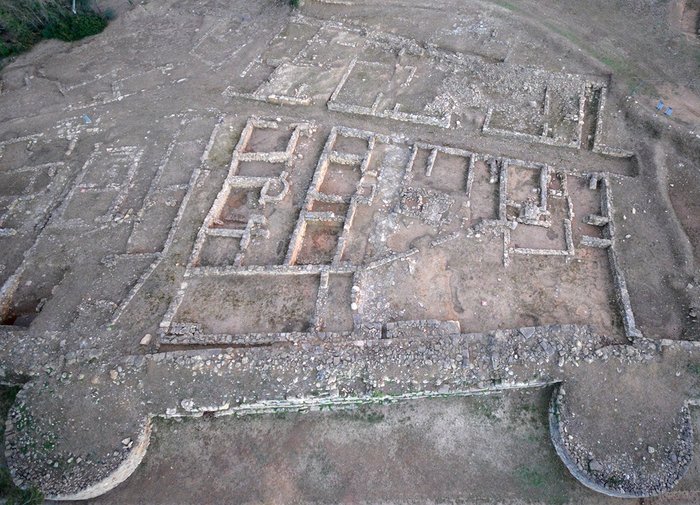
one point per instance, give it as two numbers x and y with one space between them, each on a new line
15 496
25 22
8 491
74 27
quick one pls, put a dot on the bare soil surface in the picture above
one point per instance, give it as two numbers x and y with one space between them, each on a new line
485 450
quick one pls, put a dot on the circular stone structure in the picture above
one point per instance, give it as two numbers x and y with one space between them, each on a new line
616 437
76 440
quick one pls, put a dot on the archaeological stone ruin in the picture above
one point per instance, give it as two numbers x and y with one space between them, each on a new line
209 211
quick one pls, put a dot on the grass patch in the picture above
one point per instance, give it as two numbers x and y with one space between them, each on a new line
7 398
614 481
374 417
362 413
487 406
621 68
23 23
506 5
8 491
531 477
16 496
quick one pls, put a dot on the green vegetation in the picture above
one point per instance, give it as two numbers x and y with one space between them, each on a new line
7 398
487 406
531 477
570 36
506 5
364 413
15 495
374 417
614 481
25 22
622 68
8 491
76 27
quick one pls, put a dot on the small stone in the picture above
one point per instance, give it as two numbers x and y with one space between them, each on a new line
146 339
548 348
527 332
651 450
595 466
126 441
113 374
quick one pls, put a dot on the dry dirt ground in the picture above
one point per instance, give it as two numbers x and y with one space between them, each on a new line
219 207
478 450
485 449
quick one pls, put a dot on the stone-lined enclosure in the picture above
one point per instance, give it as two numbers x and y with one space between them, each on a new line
343 215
